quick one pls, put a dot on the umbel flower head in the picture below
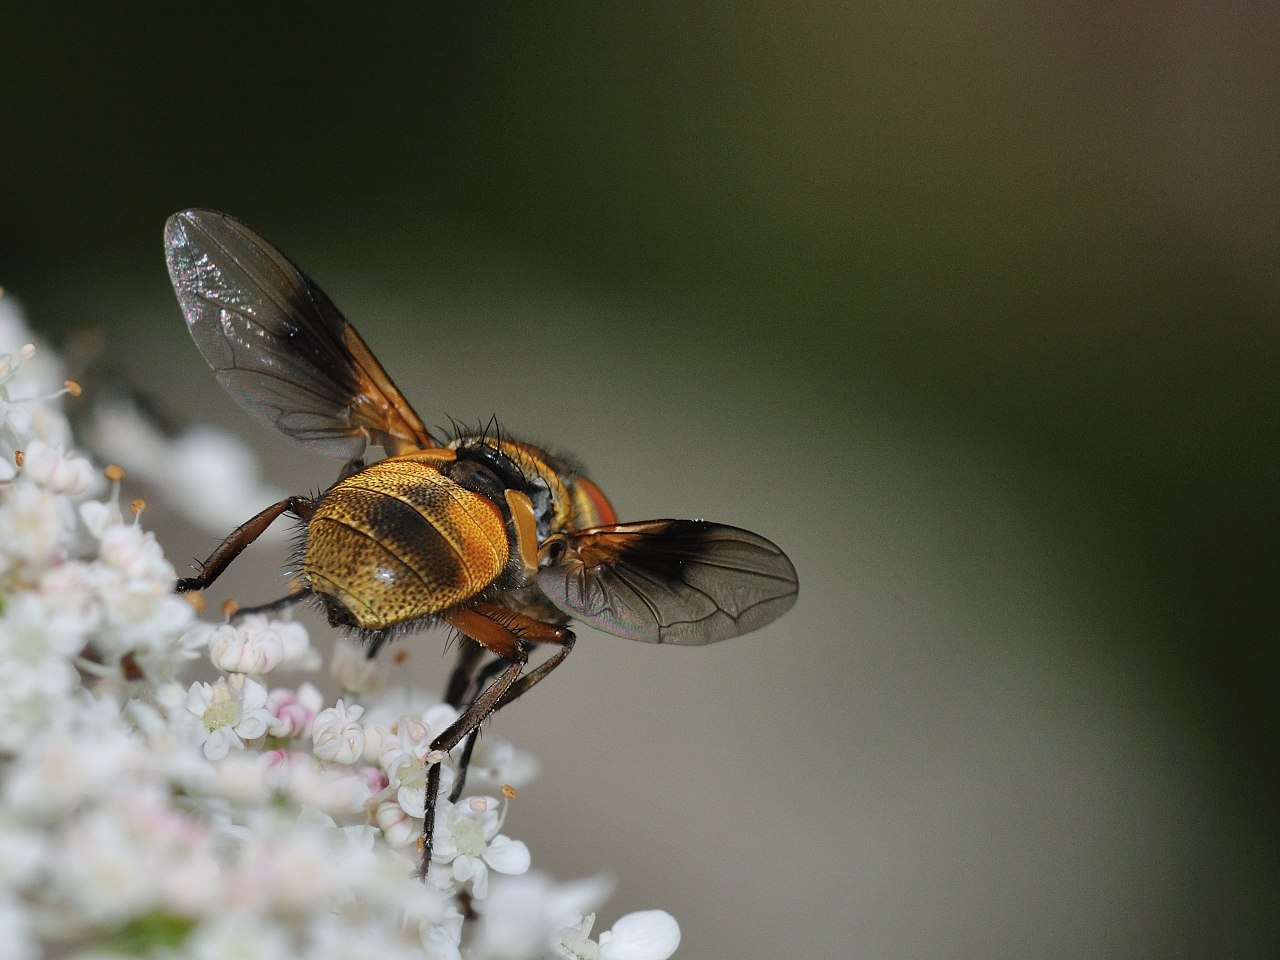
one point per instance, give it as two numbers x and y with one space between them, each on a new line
164 794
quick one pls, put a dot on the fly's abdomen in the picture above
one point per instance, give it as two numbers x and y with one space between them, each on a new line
400 541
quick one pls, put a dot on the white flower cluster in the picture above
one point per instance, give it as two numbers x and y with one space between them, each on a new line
148 815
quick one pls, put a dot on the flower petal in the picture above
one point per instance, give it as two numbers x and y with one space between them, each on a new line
507 856
645 935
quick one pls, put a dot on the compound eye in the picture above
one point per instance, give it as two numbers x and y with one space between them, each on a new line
476 477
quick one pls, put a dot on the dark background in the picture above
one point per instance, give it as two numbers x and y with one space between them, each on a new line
973 310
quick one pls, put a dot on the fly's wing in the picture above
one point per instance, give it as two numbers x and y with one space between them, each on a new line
685 582
279 345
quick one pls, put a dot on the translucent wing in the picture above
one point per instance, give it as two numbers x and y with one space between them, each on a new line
671 581
279 345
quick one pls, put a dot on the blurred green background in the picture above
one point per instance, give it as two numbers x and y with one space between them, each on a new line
971 308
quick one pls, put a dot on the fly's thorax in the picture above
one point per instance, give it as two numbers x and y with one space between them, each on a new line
581 504
563 497
591 508
509 465
401 541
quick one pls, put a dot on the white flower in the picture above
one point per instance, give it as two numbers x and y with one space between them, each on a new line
36 673
145 814
233 711
468 842
22 852
207 474
574 941
134 585
89 753
25 370
338 790
249 646
160 654
440 940
239 777
392 708
35 528
16 940
243 934
355 672
645 935
99 516
295 648
309 860
57 470
36 645
141 616
134 552
336 733
195 639
298 652
439 717
496 762
404 757
8 454
69 589
139 854
523 916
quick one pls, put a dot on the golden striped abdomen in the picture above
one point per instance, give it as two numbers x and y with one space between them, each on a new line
400 541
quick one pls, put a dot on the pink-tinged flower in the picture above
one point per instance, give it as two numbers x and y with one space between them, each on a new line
293 711
399 828
468 843
232 711
141 854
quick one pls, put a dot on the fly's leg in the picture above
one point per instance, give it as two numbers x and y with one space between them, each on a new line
274 605
482 679
460 680
241 537
508 635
